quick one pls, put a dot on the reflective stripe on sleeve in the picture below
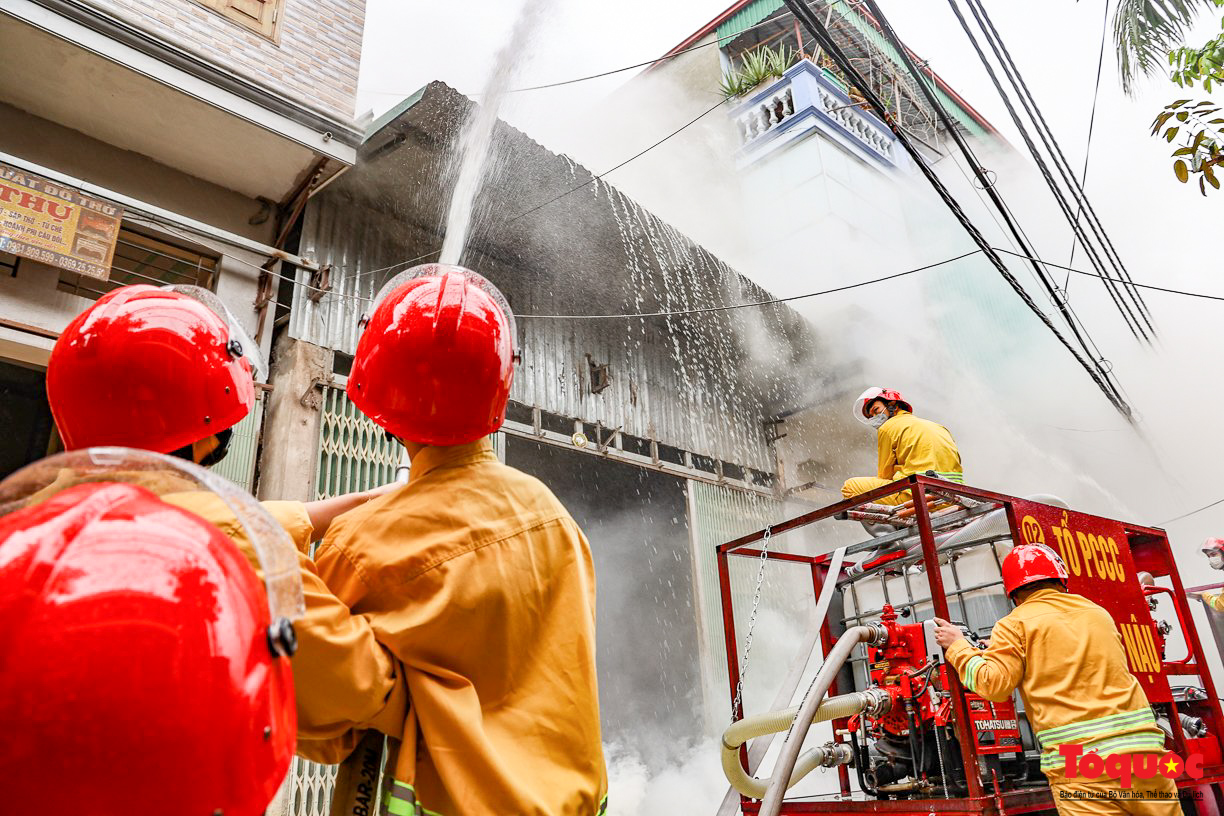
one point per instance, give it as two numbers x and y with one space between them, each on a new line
971 668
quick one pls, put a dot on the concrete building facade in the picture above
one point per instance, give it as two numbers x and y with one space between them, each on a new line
204 129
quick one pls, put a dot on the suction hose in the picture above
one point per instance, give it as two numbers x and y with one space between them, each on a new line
814 708
828 755
873 633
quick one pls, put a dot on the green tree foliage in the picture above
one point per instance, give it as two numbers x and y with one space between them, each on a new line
1146 30
1201 147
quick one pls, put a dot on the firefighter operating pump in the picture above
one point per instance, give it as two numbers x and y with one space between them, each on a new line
906 736
913 731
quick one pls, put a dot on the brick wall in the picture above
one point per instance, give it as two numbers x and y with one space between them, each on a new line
314 62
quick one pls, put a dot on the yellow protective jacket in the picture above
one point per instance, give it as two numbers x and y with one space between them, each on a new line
909 445
482 585
1065 655
345 682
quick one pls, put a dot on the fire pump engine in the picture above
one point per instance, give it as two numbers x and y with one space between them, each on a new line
907 737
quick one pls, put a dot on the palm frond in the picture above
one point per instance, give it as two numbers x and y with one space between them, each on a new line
1146 30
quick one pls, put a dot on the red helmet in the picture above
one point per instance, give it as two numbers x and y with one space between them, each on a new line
1027 563
135 667
148 368
875 393
436 357
1213 545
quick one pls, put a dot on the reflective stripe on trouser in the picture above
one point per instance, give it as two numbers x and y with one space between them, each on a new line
1105 796
1101 736
400 800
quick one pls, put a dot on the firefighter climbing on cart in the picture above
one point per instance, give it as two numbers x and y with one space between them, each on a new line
169 370
473 574
1064 654
906 445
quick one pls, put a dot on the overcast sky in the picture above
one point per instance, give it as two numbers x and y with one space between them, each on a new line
1054 42
1165 231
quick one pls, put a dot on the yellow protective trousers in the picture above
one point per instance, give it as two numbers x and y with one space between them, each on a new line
861 484
1105 796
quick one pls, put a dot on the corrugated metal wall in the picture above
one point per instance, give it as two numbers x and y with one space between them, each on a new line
664 372
718 515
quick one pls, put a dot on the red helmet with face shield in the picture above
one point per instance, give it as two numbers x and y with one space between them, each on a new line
876 393
149 368
137 674
1027 563
436 357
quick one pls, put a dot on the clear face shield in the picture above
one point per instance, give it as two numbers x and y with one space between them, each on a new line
435 269
167 476
241 344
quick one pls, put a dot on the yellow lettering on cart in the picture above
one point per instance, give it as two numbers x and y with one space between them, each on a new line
1107 566
1066 548
1153 653
1142 657
1086 548
1114 553
1030 531
1107 562
1128 641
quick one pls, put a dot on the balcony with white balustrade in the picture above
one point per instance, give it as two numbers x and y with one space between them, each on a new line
804 101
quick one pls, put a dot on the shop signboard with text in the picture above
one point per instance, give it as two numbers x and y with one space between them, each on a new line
57 225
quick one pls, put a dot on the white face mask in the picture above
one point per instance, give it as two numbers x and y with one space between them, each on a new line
878 419
1216 560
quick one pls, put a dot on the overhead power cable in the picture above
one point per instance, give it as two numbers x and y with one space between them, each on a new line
769 302
1060 160
1191 513
1202 295
1100 374
638 155
821 35
1096 92
753 304
669 56
1091 358
1131 322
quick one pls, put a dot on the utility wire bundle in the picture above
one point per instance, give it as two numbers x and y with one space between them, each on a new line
1095 369
1119 284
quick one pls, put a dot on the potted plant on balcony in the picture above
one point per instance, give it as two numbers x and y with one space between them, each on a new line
758 66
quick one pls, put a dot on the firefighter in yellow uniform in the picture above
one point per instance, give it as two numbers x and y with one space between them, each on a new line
473 574
1066 657
906 445
1213 549
168 370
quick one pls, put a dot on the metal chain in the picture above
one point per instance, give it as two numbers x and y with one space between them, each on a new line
756 603
943 772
